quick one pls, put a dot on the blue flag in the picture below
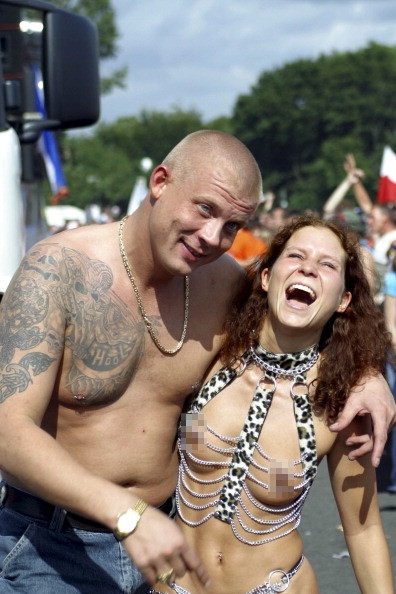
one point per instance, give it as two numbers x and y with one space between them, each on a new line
48 147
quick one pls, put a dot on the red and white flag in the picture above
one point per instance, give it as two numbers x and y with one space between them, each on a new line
387 182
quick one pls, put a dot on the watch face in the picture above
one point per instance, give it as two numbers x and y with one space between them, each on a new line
127 521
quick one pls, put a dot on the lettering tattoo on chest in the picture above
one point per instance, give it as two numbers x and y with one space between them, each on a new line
62 304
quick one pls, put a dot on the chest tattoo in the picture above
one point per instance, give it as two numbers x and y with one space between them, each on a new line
63 303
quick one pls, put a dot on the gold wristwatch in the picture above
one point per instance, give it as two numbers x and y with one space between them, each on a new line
129 519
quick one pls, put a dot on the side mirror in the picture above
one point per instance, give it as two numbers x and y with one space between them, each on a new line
70 69
63 46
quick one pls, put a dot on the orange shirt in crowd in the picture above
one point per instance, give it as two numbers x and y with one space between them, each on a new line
246 246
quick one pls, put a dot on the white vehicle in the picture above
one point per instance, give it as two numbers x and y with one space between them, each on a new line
63 47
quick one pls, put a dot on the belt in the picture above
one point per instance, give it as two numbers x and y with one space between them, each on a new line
38 509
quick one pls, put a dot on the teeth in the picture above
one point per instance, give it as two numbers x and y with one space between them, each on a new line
194 253
303 288
190 249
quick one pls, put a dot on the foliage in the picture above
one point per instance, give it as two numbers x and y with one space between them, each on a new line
103 168
222 123
301 119
95 173
152 134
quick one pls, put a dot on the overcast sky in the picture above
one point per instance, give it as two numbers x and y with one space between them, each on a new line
202 54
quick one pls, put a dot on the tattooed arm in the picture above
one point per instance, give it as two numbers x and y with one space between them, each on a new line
37 312
61 325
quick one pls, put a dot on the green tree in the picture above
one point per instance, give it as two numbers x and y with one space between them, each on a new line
222 123
96 173
103 168
101 12
301 119
151 134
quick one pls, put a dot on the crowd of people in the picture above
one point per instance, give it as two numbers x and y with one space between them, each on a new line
108 332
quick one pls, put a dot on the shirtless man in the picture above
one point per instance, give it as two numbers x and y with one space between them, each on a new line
104 331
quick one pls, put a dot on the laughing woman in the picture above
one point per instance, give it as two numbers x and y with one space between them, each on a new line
252 438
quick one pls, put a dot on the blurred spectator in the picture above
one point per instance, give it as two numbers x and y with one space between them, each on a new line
247 244
390 320
361 195
381 227
273 220
352 179
337 207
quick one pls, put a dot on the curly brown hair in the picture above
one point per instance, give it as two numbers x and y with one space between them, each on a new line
353 343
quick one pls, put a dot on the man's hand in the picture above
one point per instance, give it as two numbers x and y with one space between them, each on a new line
372 396
157 546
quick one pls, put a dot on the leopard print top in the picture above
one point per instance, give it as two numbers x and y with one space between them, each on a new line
226 502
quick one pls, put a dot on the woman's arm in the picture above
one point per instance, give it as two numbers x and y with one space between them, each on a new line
355 492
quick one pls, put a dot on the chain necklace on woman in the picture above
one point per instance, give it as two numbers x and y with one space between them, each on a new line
147 322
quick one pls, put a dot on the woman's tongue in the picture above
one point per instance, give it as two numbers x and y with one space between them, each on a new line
299 298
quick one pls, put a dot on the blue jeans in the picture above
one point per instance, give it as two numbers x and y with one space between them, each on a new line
39 557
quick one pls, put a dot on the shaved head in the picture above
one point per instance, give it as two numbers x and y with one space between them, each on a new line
218 152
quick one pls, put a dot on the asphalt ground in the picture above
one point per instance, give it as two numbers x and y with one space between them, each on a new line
323 537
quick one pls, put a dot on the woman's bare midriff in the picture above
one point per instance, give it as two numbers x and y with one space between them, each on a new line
237 568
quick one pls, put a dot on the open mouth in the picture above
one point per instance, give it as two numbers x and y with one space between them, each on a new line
300 295
191 250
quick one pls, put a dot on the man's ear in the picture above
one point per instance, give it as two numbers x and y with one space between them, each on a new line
345 301
158 180
265 279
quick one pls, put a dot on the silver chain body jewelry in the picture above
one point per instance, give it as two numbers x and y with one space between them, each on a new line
277 370
267 588
234 502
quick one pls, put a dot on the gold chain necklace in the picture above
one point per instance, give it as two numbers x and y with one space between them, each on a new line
149 326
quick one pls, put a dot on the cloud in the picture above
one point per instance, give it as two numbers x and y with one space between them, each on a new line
202 54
